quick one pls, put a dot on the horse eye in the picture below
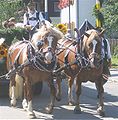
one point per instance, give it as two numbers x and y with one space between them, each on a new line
90 45
40 43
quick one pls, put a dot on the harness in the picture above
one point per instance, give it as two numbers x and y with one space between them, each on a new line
80 59
35 59
105 48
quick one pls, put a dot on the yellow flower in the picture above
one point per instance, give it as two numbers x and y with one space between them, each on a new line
62 28
3 51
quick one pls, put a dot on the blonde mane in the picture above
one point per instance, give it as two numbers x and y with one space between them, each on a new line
44 30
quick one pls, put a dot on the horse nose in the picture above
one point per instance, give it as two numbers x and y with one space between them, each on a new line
93 63
39 43
48 57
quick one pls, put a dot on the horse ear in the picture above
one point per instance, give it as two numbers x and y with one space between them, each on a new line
102 32
86 34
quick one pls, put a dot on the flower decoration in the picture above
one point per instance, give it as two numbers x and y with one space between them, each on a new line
3 51
62 28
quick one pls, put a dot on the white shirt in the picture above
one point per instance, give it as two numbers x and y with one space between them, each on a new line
19 25
32 22
108 49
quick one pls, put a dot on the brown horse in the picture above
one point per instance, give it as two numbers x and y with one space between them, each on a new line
83 62
34 61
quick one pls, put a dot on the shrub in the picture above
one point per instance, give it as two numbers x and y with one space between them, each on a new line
10 34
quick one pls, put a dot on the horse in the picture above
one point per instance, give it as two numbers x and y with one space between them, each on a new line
34 61
81 62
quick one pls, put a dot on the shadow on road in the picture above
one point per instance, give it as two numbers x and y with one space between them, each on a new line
88 102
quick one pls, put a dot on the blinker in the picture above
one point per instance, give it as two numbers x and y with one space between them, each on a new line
40 43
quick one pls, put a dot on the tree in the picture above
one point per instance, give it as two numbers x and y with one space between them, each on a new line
110 12
9 8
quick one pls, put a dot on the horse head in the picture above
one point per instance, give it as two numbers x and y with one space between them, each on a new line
45 41
92 47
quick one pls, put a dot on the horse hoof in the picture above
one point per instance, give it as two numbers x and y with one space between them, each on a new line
31 115
13 103
58 98
101 113
71 103
77 110
49 109
24 108
24 104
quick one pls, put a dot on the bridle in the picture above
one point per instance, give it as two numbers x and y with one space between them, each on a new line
94 55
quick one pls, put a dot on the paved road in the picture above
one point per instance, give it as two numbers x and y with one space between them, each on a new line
62 110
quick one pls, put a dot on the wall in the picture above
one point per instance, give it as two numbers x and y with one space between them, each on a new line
81 10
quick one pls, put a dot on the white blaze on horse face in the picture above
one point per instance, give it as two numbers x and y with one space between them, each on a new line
50 40
94 46
48 57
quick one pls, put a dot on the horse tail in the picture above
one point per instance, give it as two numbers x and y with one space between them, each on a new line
18 87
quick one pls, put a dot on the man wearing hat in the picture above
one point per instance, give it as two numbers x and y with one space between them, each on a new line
31 17
106 53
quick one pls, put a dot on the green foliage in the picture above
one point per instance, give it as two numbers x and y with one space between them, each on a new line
116 51
11 34
114 61
110 11
9 8
98 14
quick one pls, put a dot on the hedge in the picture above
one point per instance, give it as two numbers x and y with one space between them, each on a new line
13 33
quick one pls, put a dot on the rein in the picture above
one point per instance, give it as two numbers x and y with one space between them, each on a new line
81 60
34 60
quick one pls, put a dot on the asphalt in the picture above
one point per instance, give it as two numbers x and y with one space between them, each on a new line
88 102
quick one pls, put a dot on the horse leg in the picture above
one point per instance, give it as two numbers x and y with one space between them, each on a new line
100 90
58 89
24 102
70 94
29 97
49 108
12 87
77 109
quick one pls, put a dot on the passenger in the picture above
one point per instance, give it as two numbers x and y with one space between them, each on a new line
5 24
106 57
13 23
32 16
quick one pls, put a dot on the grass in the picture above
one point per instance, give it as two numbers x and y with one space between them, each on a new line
114 61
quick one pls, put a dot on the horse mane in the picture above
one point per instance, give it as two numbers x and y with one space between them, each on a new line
54 31
90 32
44 30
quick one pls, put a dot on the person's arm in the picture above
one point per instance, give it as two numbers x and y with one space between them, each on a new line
108 50
41 17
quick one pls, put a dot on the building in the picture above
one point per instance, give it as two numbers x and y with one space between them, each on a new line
79 11
75 14
51 6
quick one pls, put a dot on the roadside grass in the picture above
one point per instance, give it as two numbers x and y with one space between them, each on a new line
114 61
